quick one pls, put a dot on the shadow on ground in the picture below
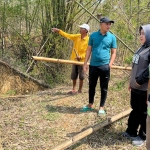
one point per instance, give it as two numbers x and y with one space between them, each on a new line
66 109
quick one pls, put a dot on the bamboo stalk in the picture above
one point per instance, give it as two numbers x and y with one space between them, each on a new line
90 130
72 62
37 55
110 30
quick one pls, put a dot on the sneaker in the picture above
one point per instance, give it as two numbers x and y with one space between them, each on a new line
138 141
86 108
127 135
101 112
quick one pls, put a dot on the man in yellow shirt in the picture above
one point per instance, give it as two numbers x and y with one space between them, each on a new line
80 44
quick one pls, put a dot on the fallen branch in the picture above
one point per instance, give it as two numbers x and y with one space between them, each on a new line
15 96
71 62
91 130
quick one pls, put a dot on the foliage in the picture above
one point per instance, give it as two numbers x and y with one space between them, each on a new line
26 26
11 92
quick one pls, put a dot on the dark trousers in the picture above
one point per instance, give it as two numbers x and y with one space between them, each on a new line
102 72
138 115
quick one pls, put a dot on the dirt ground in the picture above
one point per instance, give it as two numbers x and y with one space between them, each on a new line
45 119
14 82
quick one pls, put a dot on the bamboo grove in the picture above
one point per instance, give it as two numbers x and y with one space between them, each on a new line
25 30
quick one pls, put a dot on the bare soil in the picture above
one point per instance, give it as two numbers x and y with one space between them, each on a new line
14 82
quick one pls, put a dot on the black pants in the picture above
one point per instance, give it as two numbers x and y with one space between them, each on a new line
94 73
138 115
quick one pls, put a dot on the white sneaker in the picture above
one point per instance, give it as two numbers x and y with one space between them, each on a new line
138 141
101 112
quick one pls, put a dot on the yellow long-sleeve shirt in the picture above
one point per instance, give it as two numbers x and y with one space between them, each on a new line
79 44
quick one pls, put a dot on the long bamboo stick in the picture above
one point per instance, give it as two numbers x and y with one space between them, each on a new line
110 30
37 55
90 130
72 62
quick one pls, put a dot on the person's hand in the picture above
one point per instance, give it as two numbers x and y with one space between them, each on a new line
129 88
85 67
78 58
55 30
110 65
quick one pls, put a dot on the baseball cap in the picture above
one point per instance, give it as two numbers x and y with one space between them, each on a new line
106 20
85 26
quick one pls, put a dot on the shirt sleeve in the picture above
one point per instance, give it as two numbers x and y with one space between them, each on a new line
114 42
143 78
149 57
149 63
90 43
68 36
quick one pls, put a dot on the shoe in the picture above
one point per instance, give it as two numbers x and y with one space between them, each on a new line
138 141
101 112
127 135
86 108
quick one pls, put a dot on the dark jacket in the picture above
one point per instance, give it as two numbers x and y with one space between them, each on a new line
140 72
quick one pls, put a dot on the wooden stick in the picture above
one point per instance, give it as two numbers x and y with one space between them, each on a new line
98 21
75 52
72 62
37 55
90 130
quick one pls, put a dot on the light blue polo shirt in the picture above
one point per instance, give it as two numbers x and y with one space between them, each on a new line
101 47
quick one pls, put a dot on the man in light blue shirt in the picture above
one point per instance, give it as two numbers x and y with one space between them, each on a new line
102 49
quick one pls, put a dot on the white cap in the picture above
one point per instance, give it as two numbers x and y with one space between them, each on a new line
85 26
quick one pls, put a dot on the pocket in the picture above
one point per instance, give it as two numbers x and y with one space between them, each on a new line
137 86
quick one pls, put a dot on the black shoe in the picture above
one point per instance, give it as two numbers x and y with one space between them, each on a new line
127 135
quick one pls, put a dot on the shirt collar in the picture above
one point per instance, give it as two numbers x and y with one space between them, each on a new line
85 37
101 33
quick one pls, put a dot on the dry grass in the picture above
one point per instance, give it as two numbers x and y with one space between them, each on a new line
43 120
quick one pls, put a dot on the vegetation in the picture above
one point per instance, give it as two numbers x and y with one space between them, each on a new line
45 119
26 31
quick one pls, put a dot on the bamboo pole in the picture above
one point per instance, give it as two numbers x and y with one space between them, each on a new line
90 130
37 55
110 30
72 62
